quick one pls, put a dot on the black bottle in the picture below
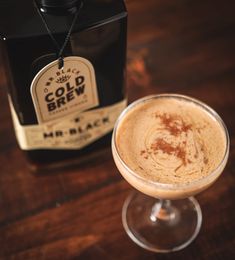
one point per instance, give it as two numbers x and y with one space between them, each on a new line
63 111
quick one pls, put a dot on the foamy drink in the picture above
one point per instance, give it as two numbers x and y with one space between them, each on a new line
173 141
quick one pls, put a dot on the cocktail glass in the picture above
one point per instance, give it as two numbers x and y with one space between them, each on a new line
164 217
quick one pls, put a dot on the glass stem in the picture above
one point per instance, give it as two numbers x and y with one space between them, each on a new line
162 210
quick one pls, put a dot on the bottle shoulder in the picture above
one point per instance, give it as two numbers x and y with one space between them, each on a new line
19 19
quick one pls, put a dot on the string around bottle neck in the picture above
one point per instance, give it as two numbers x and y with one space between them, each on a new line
60 49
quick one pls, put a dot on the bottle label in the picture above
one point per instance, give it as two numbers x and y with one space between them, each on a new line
73 132
59 92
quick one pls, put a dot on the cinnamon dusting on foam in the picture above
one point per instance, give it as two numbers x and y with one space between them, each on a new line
178 151
174 124
178 143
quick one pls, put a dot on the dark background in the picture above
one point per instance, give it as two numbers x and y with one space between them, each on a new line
179 46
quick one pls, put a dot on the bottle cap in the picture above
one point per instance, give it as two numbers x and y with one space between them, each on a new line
58 6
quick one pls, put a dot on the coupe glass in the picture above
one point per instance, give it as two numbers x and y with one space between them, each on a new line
164 217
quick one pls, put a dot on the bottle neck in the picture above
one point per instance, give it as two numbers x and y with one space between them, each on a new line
59 7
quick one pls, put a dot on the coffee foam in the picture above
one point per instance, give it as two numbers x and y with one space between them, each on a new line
170 141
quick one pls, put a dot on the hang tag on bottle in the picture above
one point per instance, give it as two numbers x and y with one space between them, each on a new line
57 93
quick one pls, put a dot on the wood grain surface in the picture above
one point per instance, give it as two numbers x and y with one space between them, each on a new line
173 46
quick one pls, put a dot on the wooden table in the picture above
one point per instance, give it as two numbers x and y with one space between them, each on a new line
174 46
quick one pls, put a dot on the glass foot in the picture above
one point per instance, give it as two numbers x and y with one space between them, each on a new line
161 225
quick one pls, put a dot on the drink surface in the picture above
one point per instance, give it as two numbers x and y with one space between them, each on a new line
170 140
